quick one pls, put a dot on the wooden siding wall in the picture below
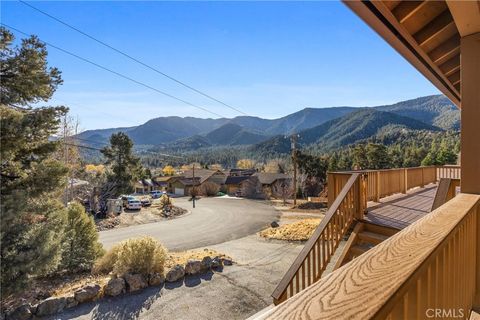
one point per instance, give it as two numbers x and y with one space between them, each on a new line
400 279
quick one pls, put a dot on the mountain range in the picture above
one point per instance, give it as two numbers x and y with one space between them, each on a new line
327 127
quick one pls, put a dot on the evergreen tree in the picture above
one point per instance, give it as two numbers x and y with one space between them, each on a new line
333 162
377 156
360 157
81 246
446 154
124 167
32 217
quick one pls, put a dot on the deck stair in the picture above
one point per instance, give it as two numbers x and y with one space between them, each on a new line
364 236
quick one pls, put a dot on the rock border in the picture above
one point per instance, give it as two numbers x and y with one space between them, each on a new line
116 286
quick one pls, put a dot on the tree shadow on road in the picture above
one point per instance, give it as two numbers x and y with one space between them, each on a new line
128 306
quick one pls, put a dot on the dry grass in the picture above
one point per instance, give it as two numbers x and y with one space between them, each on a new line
297 231
174 258
68 288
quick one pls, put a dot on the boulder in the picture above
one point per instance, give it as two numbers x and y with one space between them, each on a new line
176 273
114 287
23 312
156 279
274 224
71 302
193 267
87 293
206 263
135 282
51 306
217 263
227 262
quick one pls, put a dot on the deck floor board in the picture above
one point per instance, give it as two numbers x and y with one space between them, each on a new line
401 210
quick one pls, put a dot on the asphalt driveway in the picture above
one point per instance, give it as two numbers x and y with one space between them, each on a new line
213 221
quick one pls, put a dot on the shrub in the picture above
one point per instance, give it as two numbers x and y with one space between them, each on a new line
140 255
165 201
210 189
81 246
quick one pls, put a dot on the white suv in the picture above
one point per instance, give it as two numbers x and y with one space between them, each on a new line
133 204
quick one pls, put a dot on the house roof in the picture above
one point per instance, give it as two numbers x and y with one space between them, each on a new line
236 179
203 174
269 178
163 178
189 181
239 172
426 33
145 182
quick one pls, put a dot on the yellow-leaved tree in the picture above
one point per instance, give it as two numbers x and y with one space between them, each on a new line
168 170
245 164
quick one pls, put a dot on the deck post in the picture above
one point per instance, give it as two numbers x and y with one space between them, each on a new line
377 186
423 180
470 134
405 181
470 113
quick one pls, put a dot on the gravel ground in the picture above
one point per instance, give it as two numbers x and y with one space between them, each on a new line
237 292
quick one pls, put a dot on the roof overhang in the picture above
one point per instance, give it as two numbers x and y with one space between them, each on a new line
426 33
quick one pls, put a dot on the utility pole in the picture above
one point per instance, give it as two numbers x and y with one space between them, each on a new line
65 155
293 140
193 187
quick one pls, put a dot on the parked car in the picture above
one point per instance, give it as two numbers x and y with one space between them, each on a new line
125 199
134 204
145 202
156 194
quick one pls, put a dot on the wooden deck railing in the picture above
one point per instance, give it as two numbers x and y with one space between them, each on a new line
318 250
386 182
448 171
431 269
446 190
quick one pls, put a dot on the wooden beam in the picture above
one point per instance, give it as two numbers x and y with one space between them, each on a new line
446 49
378 16
434 28
455 77
466 15
406 9
451 65
470 114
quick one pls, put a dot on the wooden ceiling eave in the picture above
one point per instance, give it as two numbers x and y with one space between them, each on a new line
378 16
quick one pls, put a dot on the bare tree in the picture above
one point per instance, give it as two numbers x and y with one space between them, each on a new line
282 189
209 189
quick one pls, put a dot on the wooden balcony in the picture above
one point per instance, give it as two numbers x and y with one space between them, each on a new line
374 197
430 265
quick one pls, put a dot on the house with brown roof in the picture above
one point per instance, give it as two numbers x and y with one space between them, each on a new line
215 176
268 180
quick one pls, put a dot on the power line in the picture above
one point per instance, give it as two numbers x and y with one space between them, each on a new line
132 58
117 73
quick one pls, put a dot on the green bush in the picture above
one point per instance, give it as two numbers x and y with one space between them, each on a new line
140 255
81 240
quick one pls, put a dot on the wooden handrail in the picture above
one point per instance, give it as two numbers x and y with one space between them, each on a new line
385 182
446 190
318 250
433 264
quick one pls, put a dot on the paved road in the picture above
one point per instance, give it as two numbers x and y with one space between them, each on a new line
213 221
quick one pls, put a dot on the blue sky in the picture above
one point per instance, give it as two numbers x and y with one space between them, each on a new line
268 59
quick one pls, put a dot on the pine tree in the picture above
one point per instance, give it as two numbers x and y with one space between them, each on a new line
32 217
124 167
81 246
